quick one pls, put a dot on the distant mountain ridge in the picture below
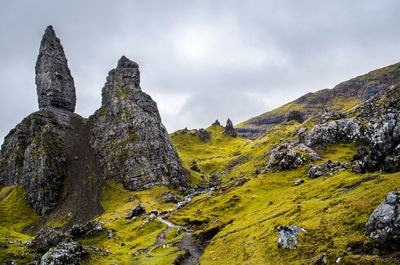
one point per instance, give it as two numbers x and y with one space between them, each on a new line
342 97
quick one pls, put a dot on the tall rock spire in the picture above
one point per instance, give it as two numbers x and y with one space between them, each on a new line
55 85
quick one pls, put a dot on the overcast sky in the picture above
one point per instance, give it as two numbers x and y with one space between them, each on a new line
199 60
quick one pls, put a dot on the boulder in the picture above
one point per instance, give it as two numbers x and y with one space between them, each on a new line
138 210
47 238
298 182
383 225
90 229
285 159
55 85
328 168
321 260
170 197
288 236
66 253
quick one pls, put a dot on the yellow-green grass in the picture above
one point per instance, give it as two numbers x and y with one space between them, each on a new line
333 217
15 214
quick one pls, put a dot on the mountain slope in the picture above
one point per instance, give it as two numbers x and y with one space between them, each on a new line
341 98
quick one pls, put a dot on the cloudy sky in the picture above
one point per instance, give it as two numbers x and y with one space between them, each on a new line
200 60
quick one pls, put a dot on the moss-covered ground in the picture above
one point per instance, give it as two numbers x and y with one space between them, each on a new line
243 212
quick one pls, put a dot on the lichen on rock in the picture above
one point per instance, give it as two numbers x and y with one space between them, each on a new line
55 85
129 138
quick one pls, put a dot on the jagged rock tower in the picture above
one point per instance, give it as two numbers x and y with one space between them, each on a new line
55 85
55 150
131 142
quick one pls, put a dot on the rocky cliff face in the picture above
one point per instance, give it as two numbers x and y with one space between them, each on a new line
55 85
32 156
130 141
53 151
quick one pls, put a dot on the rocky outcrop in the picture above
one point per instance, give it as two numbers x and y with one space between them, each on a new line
229 130
128 137
55 85
383 225
344 130
138 210
216 123
290 156
170 197
288 236
47 238
285 159
328 168
66 253
89 229
33 156
295 116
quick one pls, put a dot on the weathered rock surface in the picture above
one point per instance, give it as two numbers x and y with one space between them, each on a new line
170 197
321 260
298 182
138 210
344 130
89 229
47 238
288 236
229 130
55 85
328 168
66 253
129 139
216 123
32 156
295 116
284 159
383 225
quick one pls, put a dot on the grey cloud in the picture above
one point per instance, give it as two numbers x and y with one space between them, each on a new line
211 59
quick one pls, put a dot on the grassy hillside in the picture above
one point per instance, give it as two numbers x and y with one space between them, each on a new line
341 98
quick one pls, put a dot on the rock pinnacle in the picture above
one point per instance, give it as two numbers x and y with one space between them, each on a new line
54 83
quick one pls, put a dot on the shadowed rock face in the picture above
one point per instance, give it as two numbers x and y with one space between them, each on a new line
229 130
131 143
55 85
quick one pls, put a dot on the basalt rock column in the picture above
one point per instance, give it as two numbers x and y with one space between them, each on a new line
55 85
130 141
229 130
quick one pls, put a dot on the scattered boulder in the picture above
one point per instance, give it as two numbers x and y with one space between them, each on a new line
216 123
170 197
55 85
328 168
321 260
288 236
285 159
47 238
229 130
194 166
90 229
298 182
138 210
66 253
383 225
187 199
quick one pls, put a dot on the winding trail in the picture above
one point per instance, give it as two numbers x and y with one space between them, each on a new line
193 250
